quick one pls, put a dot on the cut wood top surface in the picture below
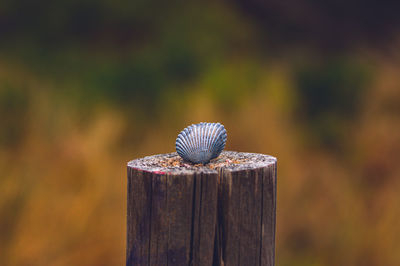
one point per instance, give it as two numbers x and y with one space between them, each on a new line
172 163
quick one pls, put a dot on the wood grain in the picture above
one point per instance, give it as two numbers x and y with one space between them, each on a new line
219 214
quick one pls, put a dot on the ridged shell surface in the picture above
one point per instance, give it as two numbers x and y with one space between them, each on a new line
200 143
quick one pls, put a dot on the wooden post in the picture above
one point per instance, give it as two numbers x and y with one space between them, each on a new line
222 213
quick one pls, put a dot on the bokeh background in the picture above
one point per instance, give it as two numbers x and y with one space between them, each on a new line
86 86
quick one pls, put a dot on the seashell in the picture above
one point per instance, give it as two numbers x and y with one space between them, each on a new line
200 143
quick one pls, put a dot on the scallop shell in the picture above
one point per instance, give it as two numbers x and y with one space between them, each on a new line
200 143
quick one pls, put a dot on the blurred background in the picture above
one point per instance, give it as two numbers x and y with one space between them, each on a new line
86 86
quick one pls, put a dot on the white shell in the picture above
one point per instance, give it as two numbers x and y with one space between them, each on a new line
200 143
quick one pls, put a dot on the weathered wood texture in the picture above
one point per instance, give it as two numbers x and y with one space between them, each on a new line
219 214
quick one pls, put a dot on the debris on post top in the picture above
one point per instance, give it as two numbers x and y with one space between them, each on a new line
172 163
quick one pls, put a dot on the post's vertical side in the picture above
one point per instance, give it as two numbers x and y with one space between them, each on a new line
179 213
159 221
251 216
138 217
204 218
269 216
229 217
247 219
170 218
